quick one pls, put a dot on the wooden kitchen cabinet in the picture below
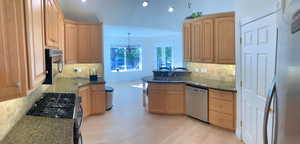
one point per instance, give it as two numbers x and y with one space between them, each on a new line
210 39
71 43
84 42
166 98
13 58
187 35
207 51
51 24
84 93
222 109
61 31
225 40
98 99
197 40
35 42
93 99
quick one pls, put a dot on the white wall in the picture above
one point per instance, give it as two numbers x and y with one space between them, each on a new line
250 8
148 55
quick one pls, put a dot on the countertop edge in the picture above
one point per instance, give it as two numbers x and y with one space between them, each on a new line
188 83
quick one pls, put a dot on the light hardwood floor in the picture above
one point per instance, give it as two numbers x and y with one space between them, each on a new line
129 123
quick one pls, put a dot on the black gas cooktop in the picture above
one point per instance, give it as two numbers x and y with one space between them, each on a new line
54 105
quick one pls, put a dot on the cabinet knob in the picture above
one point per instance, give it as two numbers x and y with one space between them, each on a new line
18 84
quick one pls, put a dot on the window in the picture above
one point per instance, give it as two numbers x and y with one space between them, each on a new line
164 57
126 59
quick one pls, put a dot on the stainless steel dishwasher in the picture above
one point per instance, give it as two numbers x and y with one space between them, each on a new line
197 102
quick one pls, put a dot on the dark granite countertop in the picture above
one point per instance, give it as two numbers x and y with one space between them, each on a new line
206 83
41 130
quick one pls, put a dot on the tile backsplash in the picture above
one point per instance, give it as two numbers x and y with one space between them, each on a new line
212 71
11 111
83 70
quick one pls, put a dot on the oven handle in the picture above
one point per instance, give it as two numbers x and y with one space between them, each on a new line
81 113
80 139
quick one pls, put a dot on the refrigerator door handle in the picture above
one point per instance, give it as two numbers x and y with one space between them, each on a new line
270 98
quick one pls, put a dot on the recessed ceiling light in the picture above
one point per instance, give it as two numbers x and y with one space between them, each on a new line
145 4
83 1
171 9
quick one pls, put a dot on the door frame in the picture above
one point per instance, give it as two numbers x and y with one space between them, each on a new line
240 22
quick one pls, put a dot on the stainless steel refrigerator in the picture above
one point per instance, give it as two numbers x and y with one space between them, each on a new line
285 95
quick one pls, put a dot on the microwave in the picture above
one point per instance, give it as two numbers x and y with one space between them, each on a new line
54 64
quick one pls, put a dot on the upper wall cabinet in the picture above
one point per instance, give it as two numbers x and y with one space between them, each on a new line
35 42
83 41
210 39
187 34
13 61
71 43
51 24
225 40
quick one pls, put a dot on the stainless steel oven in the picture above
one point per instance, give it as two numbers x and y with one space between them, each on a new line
78 117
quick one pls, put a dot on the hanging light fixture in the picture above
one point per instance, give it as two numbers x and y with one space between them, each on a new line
128 46
145 3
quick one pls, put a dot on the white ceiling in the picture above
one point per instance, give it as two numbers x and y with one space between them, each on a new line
129 13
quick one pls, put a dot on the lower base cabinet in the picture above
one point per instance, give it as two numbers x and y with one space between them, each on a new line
92 99
166 98
222 109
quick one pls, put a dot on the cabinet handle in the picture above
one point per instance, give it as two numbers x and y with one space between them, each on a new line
18 84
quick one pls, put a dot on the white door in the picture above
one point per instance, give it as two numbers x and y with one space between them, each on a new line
258 66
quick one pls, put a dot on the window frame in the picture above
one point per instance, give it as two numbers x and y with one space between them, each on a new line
125 60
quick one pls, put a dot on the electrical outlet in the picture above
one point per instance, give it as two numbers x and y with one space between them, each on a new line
77 70
204 70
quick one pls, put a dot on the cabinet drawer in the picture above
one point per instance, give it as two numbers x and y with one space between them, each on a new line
153 86
221 120
221 106
99 87
221 95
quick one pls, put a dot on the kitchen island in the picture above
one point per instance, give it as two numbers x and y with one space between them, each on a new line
177 96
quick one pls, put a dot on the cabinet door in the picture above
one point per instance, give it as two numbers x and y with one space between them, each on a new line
35 42
175 100
157 98
61 31
98 99
187 33
207 52
197 40
84 43
96 43
51 24
13 61
84 93
225 40
71 43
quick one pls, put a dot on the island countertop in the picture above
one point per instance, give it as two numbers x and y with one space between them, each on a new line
206 83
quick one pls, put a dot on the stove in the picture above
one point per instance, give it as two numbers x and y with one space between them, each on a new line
55 105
